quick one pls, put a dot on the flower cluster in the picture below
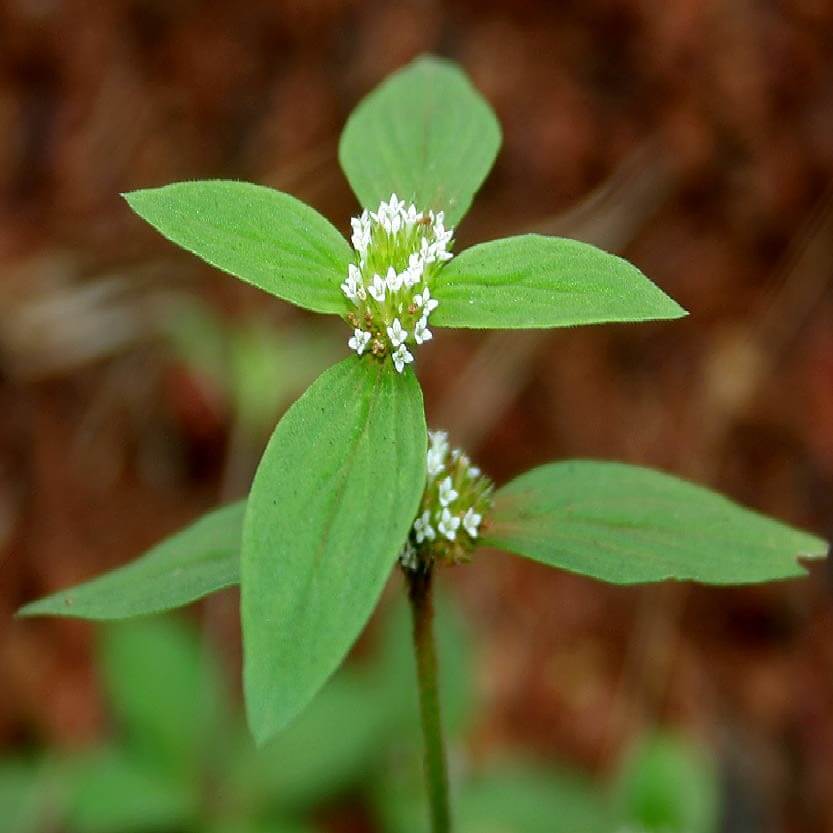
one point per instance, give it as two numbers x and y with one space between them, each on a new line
456 499
398 252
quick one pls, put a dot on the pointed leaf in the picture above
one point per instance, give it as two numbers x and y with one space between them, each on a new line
330 507
625 524
200 559
262 236
425 134
536 281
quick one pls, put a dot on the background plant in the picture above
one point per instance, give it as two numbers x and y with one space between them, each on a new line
168 766
427 135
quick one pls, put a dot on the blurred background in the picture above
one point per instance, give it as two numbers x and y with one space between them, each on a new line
137 388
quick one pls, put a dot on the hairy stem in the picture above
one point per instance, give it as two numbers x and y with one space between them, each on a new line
436 773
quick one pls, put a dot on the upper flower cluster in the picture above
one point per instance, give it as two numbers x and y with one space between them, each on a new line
456 499
398 251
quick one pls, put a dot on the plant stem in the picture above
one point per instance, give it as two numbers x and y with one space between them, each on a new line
436 772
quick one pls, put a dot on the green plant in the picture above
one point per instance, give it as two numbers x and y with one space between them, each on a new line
348 485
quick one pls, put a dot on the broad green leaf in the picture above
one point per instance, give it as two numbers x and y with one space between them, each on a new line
165 691
536 281
330 748
262 236
667 786
331 504
625 524
424 134
200 559
113 793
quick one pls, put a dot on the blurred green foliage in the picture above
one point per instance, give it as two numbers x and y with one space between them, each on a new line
254 368
180 757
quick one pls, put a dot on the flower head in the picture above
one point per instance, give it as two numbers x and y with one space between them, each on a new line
399 249
456 500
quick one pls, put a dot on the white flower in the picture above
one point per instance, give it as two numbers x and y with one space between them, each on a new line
408 557
413 273
361 232
435 459
401 357
352 286
423 528
447 493
393 280
359 341
448 525
411 215
472 472
426 302
421 331
377 289
426 251
396 333
471 521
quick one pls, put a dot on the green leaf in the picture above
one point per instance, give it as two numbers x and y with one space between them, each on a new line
525 798
262 236
331 504
165 690
536 281
113 793
625 524
200 559
668 786
424 134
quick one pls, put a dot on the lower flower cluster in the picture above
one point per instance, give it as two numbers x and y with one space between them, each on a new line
456 500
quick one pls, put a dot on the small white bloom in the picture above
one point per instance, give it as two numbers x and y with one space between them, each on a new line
361 232
421 331
448 525
435 462
352 286
435 459
393 280
472 472
408 557
426 302
377 289
471 521
401 357
427 251
447 493
412 275
412 216
396 333
423 528
359 341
